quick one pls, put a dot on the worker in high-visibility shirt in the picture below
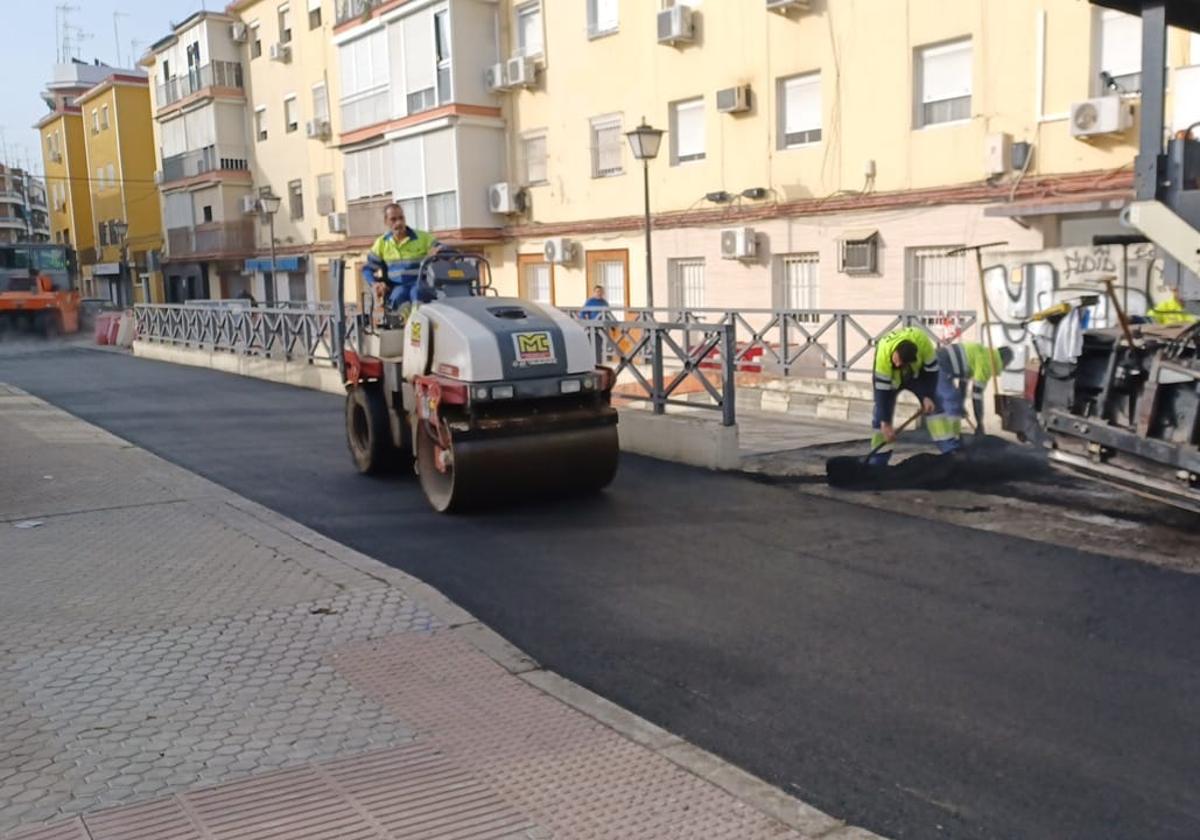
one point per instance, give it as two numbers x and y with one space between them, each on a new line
905 360
961 366
1171 311
395 259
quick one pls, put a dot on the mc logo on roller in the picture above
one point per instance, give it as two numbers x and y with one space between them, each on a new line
534 348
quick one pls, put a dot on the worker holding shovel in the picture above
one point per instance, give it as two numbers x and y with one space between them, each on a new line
968 364
906 360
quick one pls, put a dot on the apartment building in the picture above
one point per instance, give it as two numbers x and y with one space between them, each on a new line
202 140
816 154
65 164
288 52
23 211
418 121
119 141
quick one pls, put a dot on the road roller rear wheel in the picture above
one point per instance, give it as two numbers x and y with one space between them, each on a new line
367 432
438 485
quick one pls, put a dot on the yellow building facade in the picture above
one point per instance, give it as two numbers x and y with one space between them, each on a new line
816 155
68 188
119 138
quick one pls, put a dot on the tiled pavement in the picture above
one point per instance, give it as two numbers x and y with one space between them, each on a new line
176 662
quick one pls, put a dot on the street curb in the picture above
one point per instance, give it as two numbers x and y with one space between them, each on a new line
745 787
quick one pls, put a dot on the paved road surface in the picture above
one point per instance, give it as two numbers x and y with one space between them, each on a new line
913 677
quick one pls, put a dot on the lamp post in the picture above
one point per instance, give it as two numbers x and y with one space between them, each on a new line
119 231
269 203
645 141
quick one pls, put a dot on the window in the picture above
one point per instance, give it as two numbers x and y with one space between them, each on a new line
414 212
936 282
536 280
369 174
800 111
255 41
95 121
103 117
365 97
291 114
535 159
296 199
687 131
420 62
800 284
443 211
441 36
260 123
314 14
607 269
529 29
602 17
285 24
1120 45
944 83
102 233
859 252
325 199
607 143
112 176
320 102
686 290
206 213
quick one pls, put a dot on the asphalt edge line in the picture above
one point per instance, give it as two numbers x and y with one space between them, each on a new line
743 786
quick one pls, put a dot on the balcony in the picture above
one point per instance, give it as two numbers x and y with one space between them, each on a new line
352 9
208 159
212 239
365 217
227 74
13 223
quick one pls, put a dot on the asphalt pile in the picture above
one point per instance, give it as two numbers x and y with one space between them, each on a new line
983 460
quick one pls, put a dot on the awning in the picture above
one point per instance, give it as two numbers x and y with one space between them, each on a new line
859 235
106 269
281 264
1058 206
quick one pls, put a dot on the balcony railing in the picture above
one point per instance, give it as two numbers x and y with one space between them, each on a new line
208 159
365 217
214 74
351 9
214 238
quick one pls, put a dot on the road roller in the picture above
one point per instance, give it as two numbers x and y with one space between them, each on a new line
490 399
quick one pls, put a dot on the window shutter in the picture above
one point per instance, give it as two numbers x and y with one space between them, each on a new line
802 103
1121 43
946 72
689 128
420 62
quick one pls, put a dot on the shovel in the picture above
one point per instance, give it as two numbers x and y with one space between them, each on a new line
846 470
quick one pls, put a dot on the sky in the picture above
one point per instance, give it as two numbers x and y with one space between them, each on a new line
31 48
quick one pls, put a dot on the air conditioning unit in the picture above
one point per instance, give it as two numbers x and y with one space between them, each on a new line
237 33
324 205
739 244
1102 115
56 157
675 26
60 207
281 53
496 77
337 222
506 199
520 72
733 100
787 5
559 250
249 204
317 129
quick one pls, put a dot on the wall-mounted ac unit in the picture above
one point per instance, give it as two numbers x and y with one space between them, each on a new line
676 26
317 129
249 204
739 243
559 250
859 252
506 198
337 222
733 100
60 207
281 53
496 77
520 72
56 157
788 5
237 33
1102 115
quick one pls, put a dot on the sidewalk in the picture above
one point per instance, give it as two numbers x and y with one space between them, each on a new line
178 662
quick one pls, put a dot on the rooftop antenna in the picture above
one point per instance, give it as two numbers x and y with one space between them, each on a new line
117 35
62 30
77 41
134 43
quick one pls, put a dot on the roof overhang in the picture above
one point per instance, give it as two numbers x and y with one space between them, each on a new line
1184 14
1059 206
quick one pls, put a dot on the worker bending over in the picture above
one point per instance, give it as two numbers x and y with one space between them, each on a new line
394 261
905 360
962 366
1171 311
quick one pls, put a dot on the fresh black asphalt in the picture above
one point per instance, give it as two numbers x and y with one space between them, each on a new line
916 678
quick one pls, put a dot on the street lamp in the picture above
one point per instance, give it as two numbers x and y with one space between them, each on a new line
645 141
269 204
119 230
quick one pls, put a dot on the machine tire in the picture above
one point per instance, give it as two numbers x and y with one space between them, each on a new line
367 433
439 488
